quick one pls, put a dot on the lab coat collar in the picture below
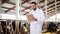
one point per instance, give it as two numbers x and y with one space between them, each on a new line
35 10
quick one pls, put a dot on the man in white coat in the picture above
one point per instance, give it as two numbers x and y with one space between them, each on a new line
39 18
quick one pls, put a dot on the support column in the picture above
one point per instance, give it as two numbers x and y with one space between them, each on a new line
46 8
55 11
17 16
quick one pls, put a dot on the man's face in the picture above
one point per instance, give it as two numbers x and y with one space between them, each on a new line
33 6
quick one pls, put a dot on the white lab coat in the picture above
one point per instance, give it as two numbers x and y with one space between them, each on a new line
36 26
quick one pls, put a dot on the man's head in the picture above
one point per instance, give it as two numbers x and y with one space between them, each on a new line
34 5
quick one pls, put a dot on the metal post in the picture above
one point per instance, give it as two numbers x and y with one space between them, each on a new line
0 27
17 16
55 11
6 26
0 7
46 8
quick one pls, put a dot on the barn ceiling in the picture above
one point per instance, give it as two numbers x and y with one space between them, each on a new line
8 6
41 4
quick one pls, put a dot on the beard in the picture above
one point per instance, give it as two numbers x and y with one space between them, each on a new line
34 9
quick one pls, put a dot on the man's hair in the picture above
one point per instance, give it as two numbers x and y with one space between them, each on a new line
34 3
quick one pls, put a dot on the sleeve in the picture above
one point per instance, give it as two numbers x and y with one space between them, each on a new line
42 16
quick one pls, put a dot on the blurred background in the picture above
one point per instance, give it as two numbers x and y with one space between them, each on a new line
13 20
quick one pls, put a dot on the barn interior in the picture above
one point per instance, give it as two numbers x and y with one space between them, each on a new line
13 20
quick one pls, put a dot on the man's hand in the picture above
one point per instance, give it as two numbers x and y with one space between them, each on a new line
35 19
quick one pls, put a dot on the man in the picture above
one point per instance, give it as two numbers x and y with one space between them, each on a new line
36 25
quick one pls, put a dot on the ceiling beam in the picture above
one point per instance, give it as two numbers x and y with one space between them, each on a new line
48 4
41 1
53 10
10 3
10 9
51 4
5 7
24 1
57 0
58 3
51 13
7 1
54 7
58 6
3 1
